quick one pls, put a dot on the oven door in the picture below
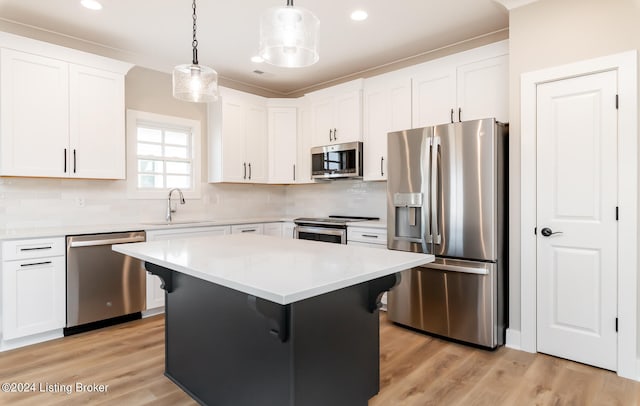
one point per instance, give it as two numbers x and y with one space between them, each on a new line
326 234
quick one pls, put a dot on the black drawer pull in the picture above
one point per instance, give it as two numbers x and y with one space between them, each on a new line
35 248
36 263
250 230
370 235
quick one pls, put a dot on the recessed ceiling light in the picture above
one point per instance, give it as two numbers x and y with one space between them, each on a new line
257 59
359 15
91 4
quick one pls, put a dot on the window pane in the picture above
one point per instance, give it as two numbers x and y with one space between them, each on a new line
176 138
176 152
150 182
149 149
178 181
182 168
145 165
149 134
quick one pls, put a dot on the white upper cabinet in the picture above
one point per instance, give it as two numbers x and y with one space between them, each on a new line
96 138
305 136
238 138
466 86
61 111
336 114
283 132
387 107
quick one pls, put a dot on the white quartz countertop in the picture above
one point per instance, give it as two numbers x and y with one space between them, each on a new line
276 269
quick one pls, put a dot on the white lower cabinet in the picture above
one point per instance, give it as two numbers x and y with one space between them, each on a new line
33 287
155 294
274 229
288 230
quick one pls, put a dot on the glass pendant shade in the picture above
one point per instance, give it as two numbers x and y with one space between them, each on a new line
289 37
195 83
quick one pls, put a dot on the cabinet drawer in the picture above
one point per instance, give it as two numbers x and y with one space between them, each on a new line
247 228
33 248
368 235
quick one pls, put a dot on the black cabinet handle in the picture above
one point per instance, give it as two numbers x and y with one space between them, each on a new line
330 138
65 160
369 235
35 264
294 172
452 115
249 170
381 166
249 230
460 114
245 170
74 161
35 248
335 131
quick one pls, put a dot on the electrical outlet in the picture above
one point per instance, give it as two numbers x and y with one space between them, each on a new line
80 201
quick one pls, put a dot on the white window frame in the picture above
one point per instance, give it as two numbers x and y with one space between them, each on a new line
161 120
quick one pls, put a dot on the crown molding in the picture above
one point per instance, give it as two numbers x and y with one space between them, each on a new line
512 4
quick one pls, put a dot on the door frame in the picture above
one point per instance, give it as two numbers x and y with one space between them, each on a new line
626 65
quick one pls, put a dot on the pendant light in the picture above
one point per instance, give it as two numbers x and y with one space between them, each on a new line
289 36
193 82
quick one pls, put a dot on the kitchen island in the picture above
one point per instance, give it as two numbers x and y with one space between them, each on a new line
259 320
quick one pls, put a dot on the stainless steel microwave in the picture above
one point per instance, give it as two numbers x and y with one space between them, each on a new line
337 161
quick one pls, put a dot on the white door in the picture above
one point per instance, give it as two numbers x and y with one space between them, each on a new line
283 131
256 143
577 198
233 140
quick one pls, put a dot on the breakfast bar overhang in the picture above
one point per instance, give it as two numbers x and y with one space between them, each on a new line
259 320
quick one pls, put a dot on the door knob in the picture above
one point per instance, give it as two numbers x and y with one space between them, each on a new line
547 232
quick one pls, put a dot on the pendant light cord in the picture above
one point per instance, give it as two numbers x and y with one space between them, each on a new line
194 44
290 3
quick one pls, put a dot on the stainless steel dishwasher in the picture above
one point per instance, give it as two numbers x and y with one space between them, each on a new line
103 287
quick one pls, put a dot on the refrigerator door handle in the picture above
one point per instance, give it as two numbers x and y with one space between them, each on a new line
427 215
457 268
435 167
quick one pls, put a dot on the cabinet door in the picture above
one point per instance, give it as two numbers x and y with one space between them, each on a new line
483 89
288 230
348 117
433 97
274 229
34 115
33 296
282 144
304 141
387 107
233 142
96 119
322 122
256 143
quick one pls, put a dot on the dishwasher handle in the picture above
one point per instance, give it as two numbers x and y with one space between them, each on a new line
107 241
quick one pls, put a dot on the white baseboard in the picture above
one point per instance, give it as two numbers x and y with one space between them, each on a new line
152 312
513 339
6 345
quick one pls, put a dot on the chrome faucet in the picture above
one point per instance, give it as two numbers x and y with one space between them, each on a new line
169 209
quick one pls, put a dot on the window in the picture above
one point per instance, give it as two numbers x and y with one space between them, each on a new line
162 154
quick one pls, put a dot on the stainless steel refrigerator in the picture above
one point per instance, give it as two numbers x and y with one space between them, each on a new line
446 195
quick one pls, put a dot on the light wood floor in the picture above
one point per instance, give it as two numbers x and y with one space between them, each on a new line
415 369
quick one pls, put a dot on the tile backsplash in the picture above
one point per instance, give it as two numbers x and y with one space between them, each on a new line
39 202
341 197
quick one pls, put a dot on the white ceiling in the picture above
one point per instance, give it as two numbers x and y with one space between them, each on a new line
157 33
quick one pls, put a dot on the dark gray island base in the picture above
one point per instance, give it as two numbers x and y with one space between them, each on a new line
224 347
